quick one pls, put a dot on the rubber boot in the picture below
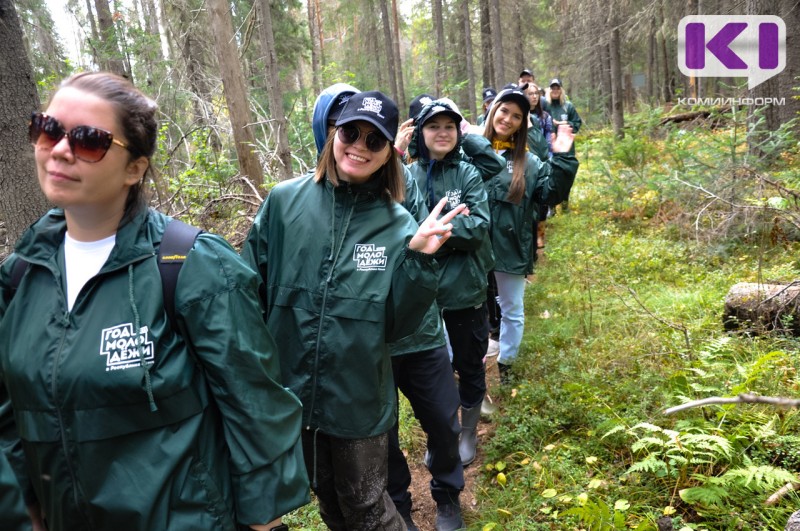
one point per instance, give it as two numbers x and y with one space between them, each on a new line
487 408
468 442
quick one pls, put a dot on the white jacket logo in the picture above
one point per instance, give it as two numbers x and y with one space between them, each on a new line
368 257
120 346
453 198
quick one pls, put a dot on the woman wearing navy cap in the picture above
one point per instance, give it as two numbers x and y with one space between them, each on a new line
346 269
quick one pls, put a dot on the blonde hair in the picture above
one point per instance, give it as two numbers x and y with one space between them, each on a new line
562 100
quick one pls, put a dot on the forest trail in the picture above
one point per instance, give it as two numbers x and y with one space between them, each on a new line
424 508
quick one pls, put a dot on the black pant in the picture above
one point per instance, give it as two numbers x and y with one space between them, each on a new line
426 379
468 332
491 304
349 478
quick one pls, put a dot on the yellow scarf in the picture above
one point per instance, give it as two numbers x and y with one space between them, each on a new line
497 145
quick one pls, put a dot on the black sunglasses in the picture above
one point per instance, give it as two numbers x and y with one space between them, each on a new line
374 140
87 143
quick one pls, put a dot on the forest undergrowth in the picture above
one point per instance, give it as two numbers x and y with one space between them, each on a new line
624 319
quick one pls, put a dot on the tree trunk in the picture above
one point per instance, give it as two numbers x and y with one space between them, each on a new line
389 49
780 86
666 87
617 119
313 33
471 107
438 27
235 90
760 308
110 56
487 57
650 82
401 96
522 32
606 75
95 39
21 200
497 44
274 90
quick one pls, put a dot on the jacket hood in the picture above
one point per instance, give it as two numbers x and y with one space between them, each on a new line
322 108
417 148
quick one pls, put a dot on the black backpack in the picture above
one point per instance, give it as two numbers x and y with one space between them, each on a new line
176 243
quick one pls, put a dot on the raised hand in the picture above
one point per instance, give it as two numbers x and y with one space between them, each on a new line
564 138
403 138
433 232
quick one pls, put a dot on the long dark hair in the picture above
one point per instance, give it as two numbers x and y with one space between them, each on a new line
137 119
516 191
390 176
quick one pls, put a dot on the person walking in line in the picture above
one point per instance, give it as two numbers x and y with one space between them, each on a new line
421 370
346 271
540 142
464 261
563 113
488 96
514 198
123 408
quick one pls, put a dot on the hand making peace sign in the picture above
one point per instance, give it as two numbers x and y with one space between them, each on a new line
433 232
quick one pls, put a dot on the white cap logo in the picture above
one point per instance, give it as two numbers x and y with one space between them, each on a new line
373 105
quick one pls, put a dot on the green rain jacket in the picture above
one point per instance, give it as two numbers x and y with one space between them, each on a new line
209 440
512 224
560 109
430 332
466 257
340 283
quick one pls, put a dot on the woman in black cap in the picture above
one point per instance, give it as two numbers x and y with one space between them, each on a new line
563 112
514 198
346 270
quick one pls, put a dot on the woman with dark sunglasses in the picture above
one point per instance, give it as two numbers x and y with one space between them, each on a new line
114 415
347 270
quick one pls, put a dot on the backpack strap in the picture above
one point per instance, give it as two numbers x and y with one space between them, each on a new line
17 272
176 243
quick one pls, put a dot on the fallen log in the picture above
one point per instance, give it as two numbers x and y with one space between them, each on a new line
759 308
693 115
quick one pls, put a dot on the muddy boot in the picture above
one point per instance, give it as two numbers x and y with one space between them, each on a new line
487 408
468 442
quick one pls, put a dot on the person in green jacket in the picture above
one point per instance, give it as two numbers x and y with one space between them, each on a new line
113 415
420 367
464 261
514 198
563 113
346 271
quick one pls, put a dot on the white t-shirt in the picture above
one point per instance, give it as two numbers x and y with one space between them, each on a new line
83 260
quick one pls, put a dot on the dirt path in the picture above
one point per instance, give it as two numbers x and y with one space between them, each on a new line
424 508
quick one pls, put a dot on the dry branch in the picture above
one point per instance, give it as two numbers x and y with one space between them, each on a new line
744 398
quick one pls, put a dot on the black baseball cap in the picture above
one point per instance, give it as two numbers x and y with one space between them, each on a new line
555 81
515 94
418 103
526 72
488 94
374 107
